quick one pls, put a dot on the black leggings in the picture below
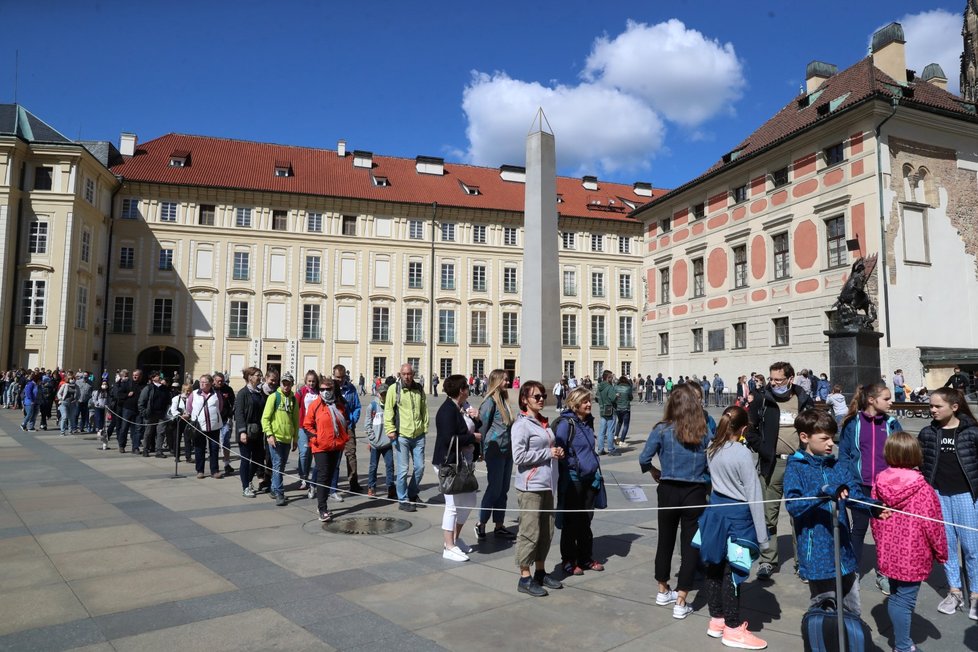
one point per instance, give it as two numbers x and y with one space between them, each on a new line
724 600
576 538
673 493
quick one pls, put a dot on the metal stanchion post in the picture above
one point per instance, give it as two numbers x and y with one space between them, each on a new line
838 574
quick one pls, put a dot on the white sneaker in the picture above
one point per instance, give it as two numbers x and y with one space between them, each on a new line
312 492
461 545
454 554
337 496
973 612
663 599
680 611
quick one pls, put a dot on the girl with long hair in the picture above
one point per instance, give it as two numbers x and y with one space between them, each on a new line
680 440
865 430
497 420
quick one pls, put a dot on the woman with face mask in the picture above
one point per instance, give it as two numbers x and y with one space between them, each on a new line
326 426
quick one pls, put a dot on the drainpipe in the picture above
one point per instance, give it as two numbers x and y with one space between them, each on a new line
879 179
431 297
108 272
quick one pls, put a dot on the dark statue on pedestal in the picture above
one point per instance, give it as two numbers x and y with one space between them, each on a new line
854 298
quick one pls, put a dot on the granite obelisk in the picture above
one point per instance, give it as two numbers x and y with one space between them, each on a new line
540 341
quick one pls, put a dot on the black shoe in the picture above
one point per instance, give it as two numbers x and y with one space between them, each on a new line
392 493
228 469
281 501
161 456
187 459
615 453
480 531
356 489
145 453
504 534
407 507
417 500
602 452
544 580
529 586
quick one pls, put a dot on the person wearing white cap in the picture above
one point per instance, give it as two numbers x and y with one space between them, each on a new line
280 423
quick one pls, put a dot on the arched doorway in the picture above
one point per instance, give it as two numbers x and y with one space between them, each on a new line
161 358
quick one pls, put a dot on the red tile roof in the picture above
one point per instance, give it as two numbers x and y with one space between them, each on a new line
854 85
226 163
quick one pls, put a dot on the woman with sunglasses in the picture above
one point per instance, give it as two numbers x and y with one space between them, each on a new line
535 454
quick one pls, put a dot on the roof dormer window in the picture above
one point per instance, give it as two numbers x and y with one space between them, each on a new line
180 158
363 159
469 190
589 182
283 169
381 181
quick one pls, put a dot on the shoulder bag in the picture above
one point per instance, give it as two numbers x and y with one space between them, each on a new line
457 478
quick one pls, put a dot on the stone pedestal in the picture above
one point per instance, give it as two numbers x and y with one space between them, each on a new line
854 358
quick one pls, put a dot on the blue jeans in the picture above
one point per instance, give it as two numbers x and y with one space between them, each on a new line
226 440
607 432
99 418
408 449
375 455
499 468
305 455
621 429
899 606
30 416
280 457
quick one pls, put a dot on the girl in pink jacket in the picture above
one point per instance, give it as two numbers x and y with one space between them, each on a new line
906 546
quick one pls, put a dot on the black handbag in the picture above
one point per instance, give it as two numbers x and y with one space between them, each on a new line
457 478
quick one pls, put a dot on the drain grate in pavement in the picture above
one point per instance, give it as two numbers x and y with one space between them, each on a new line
367 525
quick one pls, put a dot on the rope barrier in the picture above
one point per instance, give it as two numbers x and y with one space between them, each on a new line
920 516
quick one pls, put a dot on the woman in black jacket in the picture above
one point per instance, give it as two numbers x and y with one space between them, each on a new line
248 407
456 427
950 446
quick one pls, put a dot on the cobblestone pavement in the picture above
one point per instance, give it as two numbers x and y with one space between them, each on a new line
103 551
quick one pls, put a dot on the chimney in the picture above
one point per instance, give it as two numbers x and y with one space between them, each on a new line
341 148
816 73
889 52
127 143
934 74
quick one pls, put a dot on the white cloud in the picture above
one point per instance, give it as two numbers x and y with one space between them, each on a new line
934 37
613 120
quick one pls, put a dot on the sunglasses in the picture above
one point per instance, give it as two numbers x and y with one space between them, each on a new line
538 397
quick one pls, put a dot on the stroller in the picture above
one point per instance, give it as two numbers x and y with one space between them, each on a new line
920 395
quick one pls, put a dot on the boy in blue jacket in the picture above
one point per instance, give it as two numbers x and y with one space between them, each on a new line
813 472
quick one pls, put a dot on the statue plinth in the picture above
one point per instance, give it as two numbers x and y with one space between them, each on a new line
854 358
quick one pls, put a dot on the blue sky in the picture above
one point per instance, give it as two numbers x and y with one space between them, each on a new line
650 91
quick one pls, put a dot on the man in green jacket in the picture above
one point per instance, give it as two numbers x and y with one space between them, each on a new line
606 402
406 422
280 423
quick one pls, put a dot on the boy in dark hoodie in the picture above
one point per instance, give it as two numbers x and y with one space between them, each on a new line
813 472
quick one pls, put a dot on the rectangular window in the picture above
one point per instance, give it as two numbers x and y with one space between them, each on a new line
509 280
205 215
238 320
81 309
445 366
380 367
699 211
314 222
699 287
478 367
568 330
480 331
834 154
663 286
241 270
740 194
740 335
166 260
416 230
568 241
597 284
665 225
781 337
280 221
90 191
380 328
446 327
509 236
780 177
626 369
43 177
740 266
242 218
835 236
598 337
130 208
86 246
624 285
415 364
663 343
597 368
127 257
782 266
448 276
32 302
478 278
349 225
479 234
697 340
597 242
717 339
570 283
168 211
570 369
122 315
624 245
448 232
162 316
414 275
511 333
311 320
38 240
626 331
414 326
314 267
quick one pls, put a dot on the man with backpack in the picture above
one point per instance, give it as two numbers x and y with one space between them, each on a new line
406 424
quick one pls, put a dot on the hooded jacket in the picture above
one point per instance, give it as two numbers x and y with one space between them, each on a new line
906 546
536 468
280 418
764 414
854 439
606 395
580 456
820 478
326 425
965 445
